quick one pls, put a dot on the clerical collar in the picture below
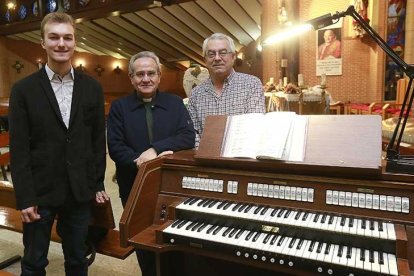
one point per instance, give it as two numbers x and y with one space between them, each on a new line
146 100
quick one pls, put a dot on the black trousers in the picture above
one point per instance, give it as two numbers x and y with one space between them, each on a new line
72 227
146 259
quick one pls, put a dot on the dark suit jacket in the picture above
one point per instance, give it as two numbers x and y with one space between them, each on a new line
128 132
48 160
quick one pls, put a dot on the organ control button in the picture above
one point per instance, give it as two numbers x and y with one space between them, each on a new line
341 198
368 201
335 197
265 190
375 202
259 189
282 192
329 197
348 199
361 200
310 194
397 204
304 194
271 191
355 200
383 202
405 205
298 193
390 203
287 192
293 193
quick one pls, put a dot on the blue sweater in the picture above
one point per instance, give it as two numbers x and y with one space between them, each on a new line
128 134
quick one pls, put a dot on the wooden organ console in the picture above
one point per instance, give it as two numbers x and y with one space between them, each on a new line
249 217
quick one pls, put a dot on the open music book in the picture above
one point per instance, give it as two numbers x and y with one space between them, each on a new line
274 135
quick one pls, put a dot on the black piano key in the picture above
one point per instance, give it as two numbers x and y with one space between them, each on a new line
340 251
196 226
380 226
381 257
213 202
217 230
331 219
281 212
282 238
221 205
242 207
207 202
267 238
351 222
305 216
300 243
264 211
311 246
256 236
211 228
298 215
235 207
327 248
190 225
175 223
292 242
194 200
228 230
181 224
342 221
241 231
202 227
348 252
364 224
274 238
323 219
273 213
257 210
319 248
316 217
249 208
188 200
362 258
249 236
287 213
371 225
227 205
371 255
232 232
201 202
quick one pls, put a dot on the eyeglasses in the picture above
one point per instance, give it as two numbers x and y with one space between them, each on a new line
221 53
141 75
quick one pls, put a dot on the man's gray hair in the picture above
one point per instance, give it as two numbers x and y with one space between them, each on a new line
143 54
219 36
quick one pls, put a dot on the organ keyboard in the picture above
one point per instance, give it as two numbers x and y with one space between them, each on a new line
268 221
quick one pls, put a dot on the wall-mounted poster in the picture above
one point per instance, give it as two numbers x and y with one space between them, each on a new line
329 50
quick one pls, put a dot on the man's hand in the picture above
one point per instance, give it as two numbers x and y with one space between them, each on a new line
165 153
101 197
29 214
149 154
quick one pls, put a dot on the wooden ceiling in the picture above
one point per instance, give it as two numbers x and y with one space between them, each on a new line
174 30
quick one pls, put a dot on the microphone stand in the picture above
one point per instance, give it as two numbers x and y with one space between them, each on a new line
395 161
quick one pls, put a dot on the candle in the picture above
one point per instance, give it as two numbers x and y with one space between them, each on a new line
284 81
272 80
300 80
323 79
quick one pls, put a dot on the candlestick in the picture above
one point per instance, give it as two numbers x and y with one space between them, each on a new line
300 80
285 81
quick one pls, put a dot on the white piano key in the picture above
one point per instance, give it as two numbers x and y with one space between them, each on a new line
335 258
375 232
385 266
358 262
331 227
352 260
392 264
391 231
367 263
321 255
360 230
354 227
375 265
343 259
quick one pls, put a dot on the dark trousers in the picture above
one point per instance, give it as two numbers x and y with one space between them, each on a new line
146 259
72 227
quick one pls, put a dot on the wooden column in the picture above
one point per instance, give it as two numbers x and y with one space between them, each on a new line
291 47
270 58
409 33
4 70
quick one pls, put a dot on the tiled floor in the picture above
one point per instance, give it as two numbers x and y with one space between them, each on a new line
11 244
